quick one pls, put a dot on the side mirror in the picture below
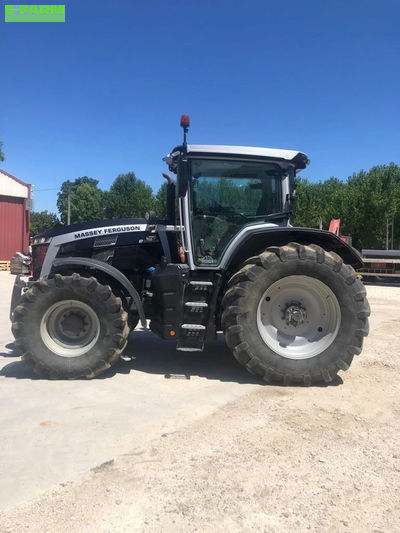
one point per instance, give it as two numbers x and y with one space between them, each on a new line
183 177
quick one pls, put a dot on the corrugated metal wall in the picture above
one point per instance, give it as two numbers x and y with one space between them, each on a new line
14 227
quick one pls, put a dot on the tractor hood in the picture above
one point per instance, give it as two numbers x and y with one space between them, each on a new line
87 227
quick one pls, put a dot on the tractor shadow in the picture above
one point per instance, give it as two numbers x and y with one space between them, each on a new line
12 351
393 284
147 353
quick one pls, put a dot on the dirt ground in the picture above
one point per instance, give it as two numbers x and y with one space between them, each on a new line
320 459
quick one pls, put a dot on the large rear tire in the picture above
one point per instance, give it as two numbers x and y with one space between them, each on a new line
69 327
295 314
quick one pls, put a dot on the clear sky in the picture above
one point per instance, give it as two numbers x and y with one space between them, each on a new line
102 94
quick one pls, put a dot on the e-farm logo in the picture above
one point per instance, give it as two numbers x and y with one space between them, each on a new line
34 13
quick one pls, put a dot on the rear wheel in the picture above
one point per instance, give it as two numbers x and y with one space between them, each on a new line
295 314
70 326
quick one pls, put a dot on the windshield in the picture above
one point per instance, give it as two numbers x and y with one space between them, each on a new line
227 195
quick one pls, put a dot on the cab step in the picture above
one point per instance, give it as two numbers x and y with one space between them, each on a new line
196 307
191 338
199 287
193 327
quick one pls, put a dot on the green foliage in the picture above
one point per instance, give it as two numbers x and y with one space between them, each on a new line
2 156
160 201
71 187
128 197
363 204
41 221
86 204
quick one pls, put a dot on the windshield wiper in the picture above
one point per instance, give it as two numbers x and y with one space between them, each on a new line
272 216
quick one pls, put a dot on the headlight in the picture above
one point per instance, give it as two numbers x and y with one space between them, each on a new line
41 240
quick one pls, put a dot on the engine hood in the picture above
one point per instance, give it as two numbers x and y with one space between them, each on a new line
87 226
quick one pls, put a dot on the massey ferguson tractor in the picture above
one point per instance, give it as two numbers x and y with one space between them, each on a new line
287 299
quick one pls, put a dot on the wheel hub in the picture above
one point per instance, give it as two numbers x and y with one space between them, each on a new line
298 317
74 324
294 314
70 328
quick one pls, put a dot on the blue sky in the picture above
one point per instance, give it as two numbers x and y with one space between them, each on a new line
102 94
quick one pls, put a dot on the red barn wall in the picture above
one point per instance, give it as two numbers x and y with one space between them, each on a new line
14 227
15 198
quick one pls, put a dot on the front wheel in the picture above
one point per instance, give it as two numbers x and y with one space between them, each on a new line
70 327
295 314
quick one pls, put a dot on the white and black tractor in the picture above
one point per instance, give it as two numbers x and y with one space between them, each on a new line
287 299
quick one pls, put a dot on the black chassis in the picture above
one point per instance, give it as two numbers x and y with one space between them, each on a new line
140 261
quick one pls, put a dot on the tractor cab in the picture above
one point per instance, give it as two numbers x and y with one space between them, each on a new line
222 190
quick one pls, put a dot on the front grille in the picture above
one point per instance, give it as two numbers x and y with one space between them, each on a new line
105 240
38 254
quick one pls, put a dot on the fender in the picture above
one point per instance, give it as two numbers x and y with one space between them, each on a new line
111 271
253 240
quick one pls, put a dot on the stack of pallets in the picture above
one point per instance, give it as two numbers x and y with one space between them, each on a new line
4 265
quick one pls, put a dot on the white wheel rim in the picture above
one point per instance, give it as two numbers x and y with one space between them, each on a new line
70 328
298 317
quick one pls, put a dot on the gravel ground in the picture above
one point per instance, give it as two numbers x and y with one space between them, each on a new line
320 459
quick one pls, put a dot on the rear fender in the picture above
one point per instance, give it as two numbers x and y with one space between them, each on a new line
252 241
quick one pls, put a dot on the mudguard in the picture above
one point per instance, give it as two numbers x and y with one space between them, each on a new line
253 241
120 278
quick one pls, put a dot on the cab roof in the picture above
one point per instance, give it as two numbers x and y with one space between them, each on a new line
298 159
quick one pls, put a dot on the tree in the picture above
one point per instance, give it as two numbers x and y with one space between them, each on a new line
364 204
323 200
70 187
2 156
128 197
86 204
372 198
41 221
160 202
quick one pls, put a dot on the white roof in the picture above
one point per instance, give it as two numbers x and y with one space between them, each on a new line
275 153
12 186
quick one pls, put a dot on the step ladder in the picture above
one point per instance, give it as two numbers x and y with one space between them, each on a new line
196 316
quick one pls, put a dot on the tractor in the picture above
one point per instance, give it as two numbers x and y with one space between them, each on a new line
226 257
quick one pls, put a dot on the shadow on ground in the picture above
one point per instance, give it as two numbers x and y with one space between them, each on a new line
147 353
12 351
383 283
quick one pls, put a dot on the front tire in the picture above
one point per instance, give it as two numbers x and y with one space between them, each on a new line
295 314
69 327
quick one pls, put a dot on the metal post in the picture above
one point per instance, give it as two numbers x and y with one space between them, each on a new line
69 208
392 232
387 233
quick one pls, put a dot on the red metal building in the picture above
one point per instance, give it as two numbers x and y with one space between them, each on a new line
15 204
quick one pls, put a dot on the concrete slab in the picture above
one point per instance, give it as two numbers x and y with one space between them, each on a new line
56 431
